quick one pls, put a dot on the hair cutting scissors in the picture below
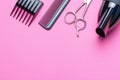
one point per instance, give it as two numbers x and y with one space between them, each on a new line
75 19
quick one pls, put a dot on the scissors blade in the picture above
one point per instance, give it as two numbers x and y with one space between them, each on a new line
87 2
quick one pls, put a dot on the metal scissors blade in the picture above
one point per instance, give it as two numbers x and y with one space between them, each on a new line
87 1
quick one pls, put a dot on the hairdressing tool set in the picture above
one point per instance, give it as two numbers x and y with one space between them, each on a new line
109 15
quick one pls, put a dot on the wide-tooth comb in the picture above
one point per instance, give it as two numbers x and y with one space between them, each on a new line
30 7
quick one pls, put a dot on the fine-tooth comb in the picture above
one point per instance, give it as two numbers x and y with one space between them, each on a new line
26 10
53 13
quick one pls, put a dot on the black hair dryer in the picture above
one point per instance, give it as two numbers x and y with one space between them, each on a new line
109 16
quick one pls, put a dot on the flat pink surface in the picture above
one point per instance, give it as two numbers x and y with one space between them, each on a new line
36 54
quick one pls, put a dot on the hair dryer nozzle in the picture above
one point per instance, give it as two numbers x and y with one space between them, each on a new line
108 17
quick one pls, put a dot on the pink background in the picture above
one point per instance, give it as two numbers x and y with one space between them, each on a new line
36 54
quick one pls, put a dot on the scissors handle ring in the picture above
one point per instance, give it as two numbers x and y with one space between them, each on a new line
70 22
78 27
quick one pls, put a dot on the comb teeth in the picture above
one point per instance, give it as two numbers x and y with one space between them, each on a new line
26 10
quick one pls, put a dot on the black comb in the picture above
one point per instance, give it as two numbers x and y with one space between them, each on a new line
26 10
